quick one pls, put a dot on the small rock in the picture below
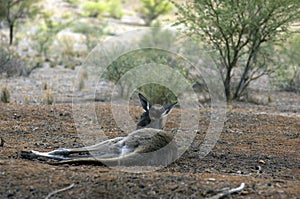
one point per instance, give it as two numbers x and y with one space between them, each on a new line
257 167
16 116
211 179
173 187
245 192
269 184
9 195
142 186
261 162
1 142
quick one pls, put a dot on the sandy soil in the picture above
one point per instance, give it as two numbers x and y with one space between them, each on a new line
259 146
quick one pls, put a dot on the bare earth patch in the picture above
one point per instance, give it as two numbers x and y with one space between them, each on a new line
256 147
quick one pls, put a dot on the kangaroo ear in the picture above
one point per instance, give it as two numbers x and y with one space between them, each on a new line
168 108
144 102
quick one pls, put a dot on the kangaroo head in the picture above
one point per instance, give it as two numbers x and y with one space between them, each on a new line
153 115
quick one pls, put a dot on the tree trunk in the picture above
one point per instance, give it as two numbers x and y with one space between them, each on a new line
227 84
241 84
246 70
11 33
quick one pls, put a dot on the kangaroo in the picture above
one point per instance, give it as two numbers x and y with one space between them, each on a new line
149 145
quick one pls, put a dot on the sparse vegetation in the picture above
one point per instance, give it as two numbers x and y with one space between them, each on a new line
158 94
10 63
48 97
5 54
70 49
5 95
150 57
115 8
82 77
72 1
46 32
27 99
98 9
287 77
152 9
45 86
93 9
92 32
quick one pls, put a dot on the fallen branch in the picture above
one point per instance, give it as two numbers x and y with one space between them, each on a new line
227 192
59 190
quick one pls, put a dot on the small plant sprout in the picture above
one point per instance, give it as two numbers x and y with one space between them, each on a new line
5 95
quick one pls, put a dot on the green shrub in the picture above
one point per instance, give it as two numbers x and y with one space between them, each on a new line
115 9
72 1
287 76
70 55
158 94
158 37
152 9
46 31
5 95
93 9
92 32
150 57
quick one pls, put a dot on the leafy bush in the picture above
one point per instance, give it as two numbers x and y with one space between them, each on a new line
93 9
45 33
92 32
72 1
287 76
70 48
158 94
115 9
10 62
150 57
152 9
158 37
97 9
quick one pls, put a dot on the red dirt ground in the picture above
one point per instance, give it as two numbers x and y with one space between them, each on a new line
255 148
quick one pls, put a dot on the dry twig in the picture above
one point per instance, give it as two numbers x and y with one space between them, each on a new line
229 191
59 190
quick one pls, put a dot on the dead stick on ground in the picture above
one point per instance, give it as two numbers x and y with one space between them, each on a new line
59 190
227 192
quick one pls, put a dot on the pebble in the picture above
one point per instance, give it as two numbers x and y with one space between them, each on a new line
261 162
211 179
1 142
